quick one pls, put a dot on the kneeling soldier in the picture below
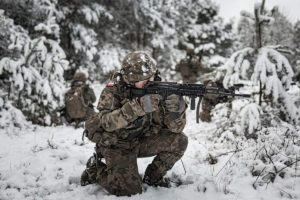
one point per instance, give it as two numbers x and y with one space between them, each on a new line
134 128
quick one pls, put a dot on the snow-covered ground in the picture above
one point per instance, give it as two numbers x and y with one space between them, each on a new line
46 163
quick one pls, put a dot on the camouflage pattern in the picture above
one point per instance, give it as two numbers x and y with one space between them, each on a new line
119 176
208 103
150 102
138 66
79 76
131 131
88 97
207 106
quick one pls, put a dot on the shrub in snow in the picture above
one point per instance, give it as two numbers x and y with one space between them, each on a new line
11 117
273 157
250 120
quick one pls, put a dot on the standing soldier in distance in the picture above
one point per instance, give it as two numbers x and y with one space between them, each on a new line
189 67
136 127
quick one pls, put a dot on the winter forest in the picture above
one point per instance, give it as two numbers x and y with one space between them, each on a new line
249 150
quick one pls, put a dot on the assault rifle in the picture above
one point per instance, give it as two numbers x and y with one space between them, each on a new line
186 89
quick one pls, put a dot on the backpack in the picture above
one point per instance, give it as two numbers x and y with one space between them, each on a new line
75 106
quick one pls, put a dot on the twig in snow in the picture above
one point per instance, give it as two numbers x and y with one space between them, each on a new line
289 165
268 156
225 164
258 177
183 166
51 143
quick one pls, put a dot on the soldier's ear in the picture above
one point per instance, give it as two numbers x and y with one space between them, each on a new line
116 76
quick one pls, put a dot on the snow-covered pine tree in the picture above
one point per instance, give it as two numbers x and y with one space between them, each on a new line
296 57
203 30
271 71
33 74
84 24
162 36
250 119
246 32
278 32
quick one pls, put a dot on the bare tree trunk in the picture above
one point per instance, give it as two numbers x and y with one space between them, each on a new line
138 36
144 40
258 34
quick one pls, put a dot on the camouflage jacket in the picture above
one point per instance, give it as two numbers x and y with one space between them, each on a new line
124 120
89 95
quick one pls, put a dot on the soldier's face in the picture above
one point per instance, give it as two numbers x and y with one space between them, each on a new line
141 84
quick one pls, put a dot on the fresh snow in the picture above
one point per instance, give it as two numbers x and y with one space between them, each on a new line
46 163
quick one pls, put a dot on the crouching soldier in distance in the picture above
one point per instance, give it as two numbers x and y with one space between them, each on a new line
79 100
131 128
210 101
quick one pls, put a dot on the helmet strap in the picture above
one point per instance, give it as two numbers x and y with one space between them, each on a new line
157 76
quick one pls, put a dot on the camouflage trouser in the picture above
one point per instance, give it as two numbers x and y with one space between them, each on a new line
121 175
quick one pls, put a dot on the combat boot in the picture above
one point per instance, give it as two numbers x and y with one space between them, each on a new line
89 175
163 182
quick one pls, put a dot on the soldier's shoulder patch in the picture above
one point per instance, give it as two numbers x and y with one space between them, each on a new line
110 84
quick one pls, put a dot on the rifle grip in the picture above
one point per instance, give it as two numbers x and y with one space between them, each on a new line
193 103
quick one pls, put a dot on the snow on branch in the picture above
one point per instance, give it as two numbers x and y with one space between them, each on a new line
50 27
247 14
250 118
263 15
84 40
271 63
109 59
237 67
94 13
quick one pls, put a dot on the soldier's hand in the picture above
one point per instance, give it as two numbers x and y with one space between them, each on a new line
175 103
150 102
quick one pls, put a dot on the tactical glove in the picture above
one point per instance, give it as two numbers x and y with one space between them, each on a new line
150 102
175 103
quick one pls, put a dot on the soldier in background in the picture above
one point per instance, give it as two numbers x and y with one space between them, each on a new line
190 67
79 100
129 128
210 101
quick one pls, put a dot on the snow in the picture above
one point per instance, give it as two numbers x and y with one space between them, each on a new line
250 115
46 163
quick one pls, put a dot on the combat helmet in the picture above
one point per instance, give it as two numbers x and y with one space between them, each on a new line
79 76
138 66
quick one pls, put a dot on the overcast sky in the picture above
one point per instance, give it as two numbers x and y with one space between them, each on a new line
232 8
